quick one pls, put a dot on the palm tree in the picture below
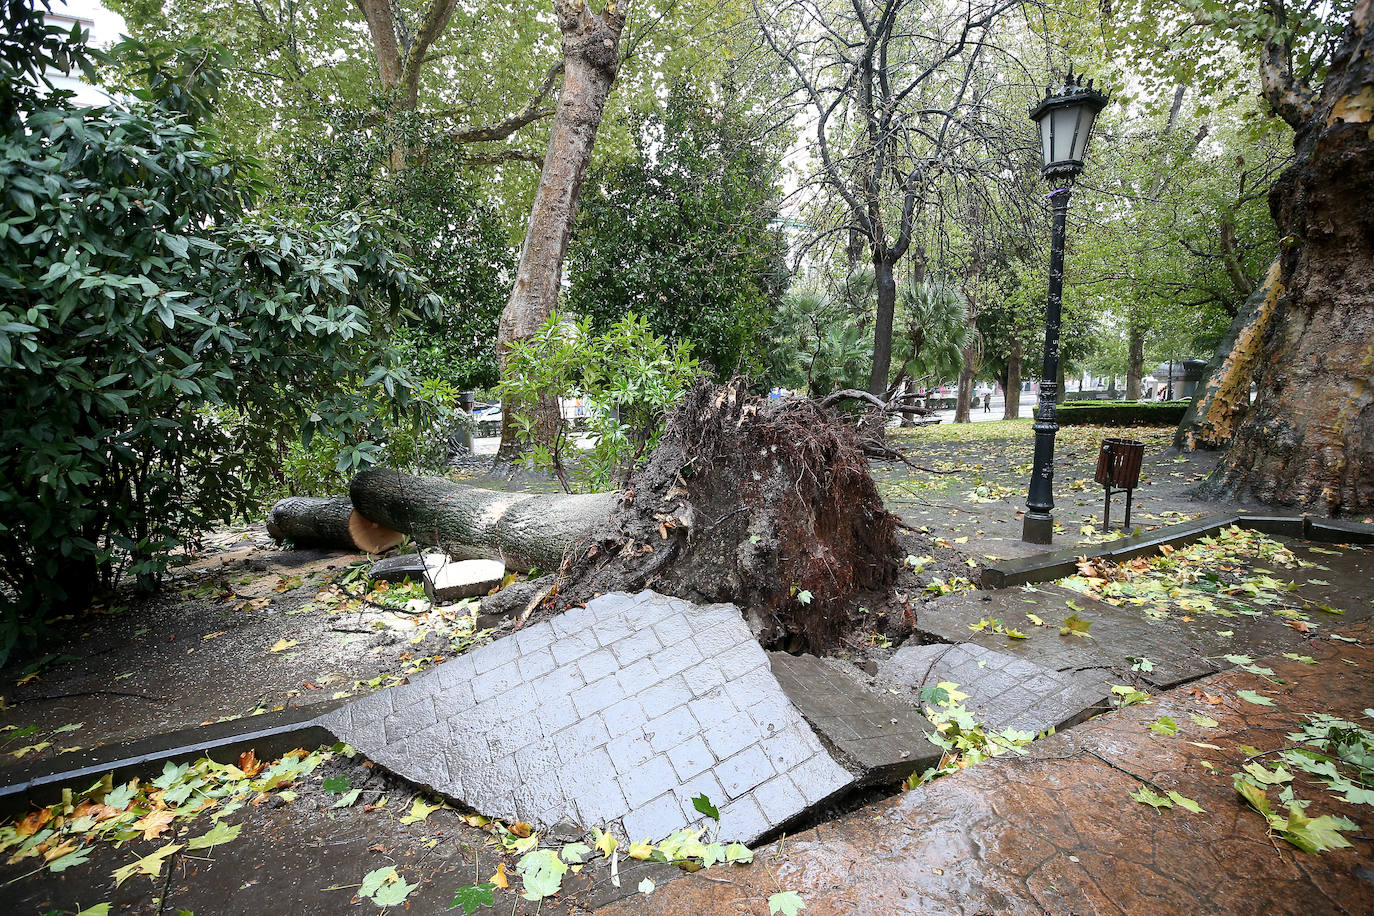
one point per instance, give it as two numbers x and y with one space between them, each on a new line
931 334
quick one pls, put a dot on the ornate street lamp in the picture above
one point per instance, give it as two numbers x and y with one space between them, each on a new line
1066 119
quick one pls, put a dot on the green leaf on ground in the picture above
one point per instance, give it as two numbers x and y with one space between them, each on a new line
738 854
419 810
1164 725
1184 802
348 798
76 857
786 903
220 833
374 879
646 886
150 865
393 893
336 784
1203 721
574 853
1251 696
100 909
1147 796
1073 625
542 872
703 804
1254 795
1311 834
473 897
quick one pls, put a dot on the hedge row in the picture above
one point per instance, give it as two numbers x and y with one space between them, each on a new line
1122 413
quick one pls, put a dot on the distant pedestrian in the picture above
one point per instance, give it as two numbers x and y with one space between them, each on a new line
987 402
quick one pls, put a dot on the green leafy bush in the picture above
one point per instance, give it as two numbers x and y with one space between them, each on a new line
629 379
159 340
1121 413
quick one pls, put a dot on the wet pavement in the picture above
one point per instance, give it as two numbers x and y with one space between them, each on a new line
1056 831
614 715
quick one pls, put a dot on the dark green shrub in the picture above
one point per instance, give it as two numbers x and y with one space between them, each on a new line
159 342
1121 413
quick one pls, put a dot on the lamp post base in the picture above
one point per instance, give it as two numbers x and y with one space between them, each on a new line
1037 528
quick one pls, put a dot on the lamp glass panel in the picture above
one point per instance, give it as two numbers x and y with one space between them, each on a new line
1064 121
1085 130
1045 138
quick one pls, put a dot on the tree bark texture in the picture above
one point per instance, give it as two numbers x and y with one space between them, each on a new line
886 284
591 43
1135 361
310 522
522 530
1224 396
1011 409
1308 440
964 399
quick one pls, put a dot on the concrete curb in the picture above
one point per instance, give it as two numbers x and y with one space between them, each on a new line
1048 566
270 735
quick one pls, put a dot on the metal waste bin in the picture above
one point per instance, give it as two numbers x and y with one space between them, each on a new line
1118 468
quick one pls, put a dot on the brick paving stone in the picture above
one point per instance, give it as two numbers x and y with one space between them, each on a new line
1003 691
1179 649
1057 831
616 714
881 738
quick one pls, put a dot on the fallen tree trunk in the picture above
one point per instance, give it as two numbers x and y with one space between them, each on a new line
523 530
310 522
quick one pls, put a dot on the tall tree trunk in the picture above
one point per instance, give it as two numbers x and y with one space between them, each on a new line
1308 441
1059 387
1012 408
591 57
1224 395
964 401
1135 361
886 285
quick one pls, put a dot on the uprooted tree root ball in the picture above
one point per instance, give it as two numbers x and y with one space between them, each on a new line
765 504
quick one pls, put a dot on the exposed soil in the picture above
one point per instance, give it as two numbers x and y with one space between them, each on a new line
768 505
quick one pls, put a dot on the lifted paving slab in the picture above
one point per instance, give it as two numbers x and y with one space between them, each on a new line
616 714
880 739
1057 832
1003 691
1179 650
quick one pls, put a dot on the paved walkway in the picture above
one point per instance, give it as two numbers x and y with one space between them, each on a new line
1057 831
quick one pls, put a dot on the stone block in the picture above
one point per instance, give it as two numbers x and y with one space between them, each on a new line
1003 691
592 718
882 738
447 581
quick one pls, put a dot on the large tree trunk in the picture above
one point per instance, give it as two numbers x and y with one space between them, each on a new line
1012 408
1308 441
523 530
1224 396
964 400
591 56
309 522
886 285
1135 361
